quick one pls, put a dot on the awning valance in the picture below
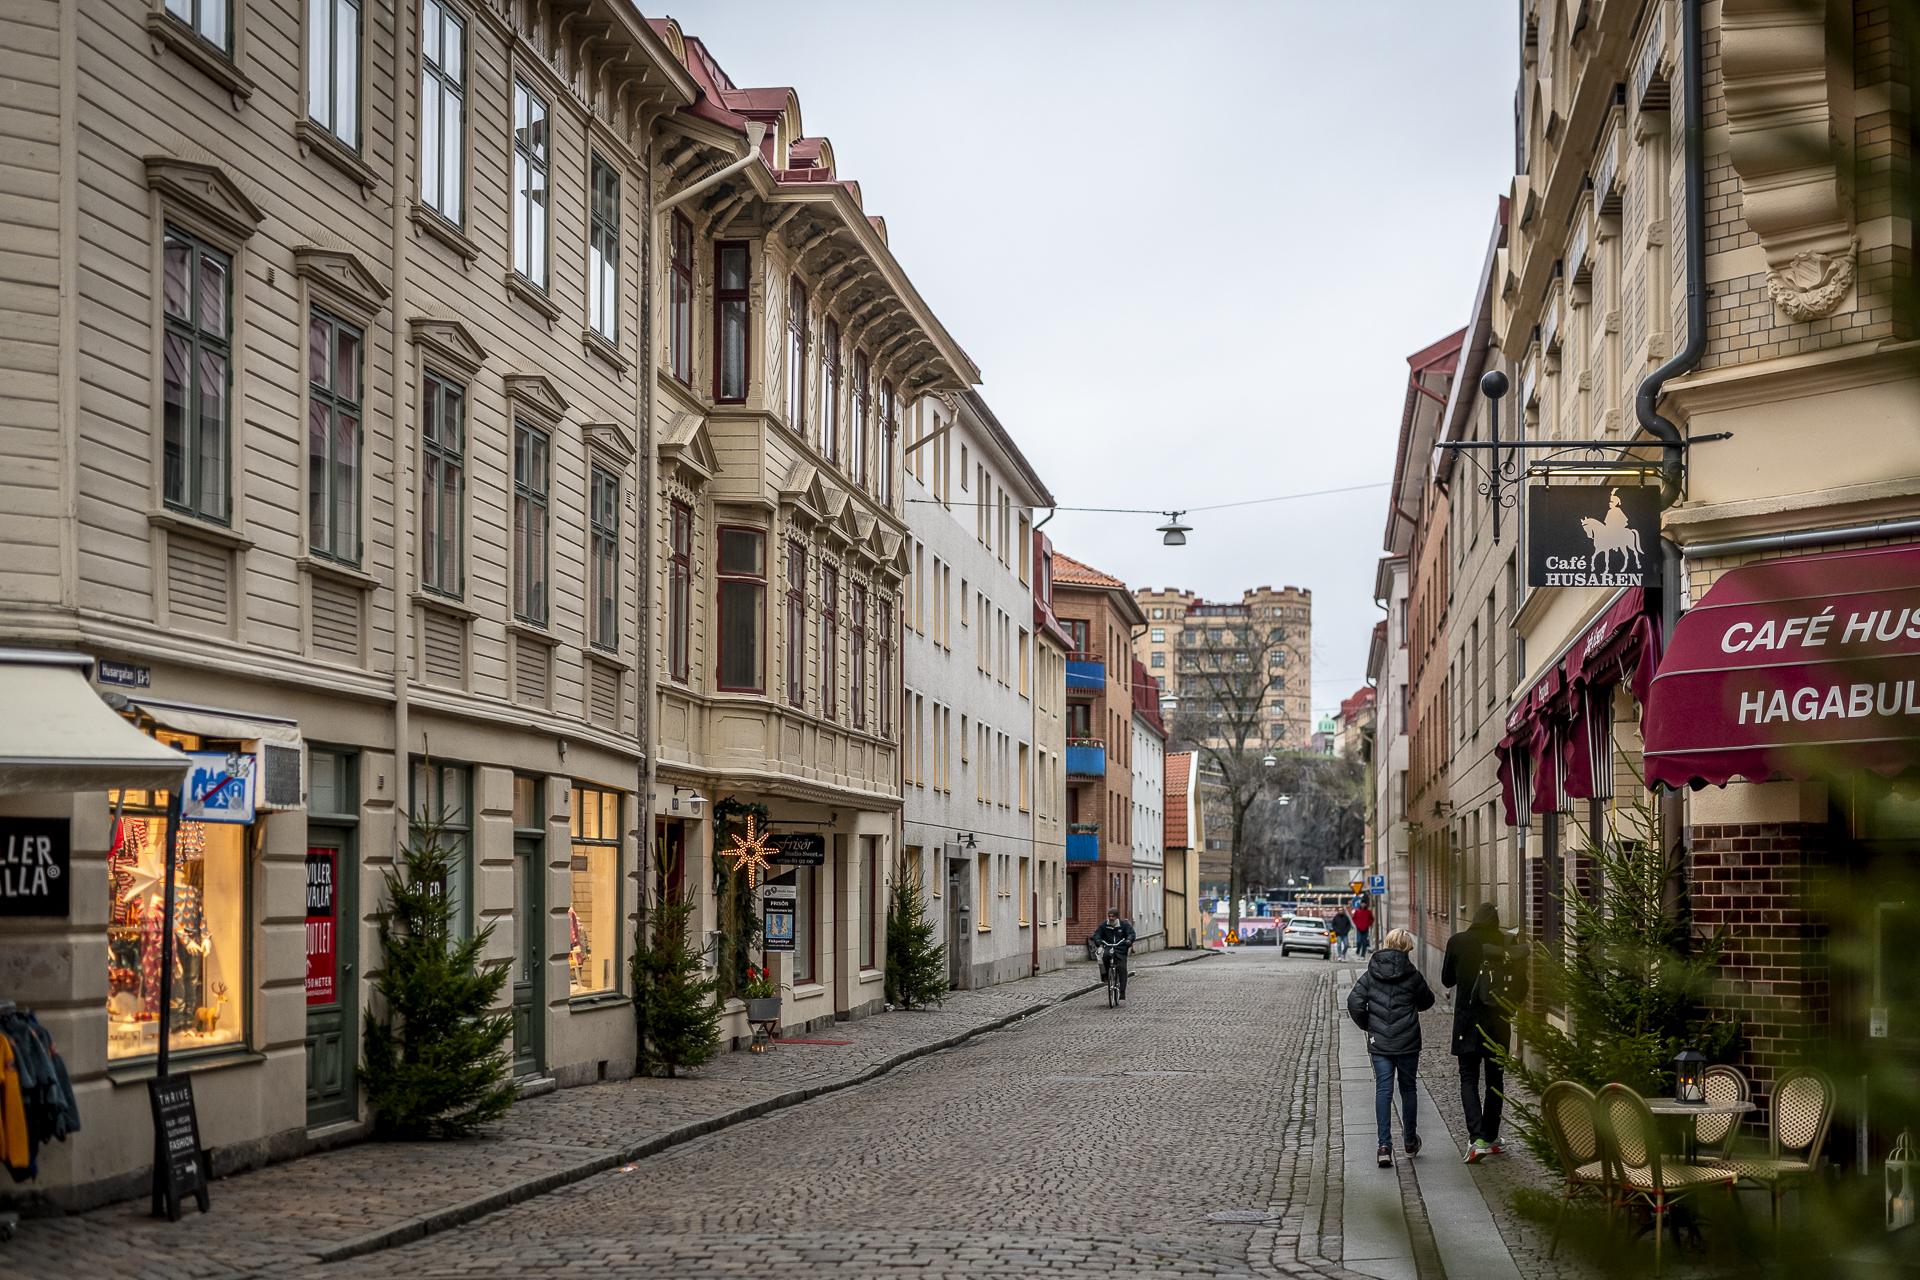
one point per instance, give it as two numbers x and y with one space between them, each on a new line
1560 732
57 735
213 722
1793 668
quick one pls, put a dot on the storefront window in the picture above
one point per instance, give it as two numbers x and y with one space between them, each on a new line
593 915
208 951
804 909
441 812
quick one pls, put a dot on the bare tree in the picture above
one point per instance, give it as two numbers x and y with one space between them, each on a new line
1224 677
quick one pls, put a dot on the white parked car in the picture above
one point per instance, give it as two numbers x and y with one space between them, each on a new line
1306 933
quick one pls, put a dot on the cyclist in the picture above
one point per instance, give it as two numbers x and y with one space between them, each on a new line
1117 934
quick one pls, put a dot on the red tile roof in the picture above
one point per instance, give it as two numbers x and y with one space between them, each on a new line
1179 772
1067 569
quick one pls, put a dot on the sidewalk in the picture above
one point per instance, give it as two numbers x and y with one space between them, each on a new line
373 1195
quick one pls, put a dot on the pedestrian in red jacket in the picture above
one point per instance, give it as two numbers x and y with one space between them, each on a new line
1363 926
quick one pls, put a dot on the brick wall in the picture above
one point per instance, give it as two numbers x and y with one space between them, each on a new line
1754 880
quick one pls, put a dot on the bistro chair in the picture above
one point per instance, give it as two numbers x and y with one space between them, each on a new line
1567 1110
1802 1109
1713 1135
1639 1174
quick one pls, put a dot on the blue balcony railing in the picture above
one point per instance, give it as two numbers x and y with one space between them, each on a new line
1083 842
1086 673
1086 758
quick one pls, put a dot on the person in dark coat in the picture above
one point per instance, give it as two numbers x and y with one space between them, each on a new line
1342 926
1484 970
1386 1004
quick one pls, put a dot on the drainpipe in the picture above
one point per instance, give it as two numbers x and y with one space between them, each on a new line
755 131
399 477
1672 805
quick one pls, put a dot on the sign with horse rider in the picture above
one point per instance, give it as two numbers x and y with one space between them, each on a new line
1593 535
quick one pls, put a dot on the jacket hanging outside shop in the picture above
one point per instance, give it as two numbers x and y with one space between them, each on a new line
37 1105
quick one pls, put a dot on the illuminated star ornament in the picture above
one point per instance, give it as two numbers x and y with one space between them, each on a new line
750 853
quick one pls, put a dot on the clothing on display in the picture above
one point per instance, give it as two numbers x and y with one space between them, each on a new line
37 1105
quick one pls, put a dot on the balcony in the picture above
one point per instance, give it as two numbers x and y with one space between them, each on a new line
1083 842
1085 673
1086 758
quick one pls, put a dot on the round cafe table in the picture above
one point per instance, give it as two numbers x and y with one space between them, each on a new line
1668 1109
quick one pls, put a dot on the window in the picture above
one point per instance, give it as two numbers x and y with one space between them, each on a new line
806 910
1024 660
730 321
333 438
208 19
982 911
680 299
1157 660
1159 635
886 669
796 637
889 437
1026 800
603 252
441 813
333 67
443 111
796 357
603 537
1026 887
742 593
1026 547
211 941
443 411
857 657
830 411
1158 613
870 902
197 374
1077 634
593 913
530 162
679 589
530 463
829 641
857 440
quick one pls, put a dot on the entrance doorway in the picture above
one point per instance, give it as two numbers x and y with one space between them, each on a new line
959 935
333 1042
529 927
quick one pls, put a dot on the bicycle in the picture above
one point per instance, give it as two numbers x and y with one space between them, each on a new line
1110 971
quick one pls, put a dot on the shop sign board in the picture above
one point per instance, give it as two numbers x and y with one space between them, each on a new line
1593 535
178 1169
798 849
35 854
776 926
322 923
220 787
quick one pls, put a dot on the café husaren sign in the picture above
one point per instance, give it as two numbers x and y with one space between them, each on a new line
1593 535
1829 636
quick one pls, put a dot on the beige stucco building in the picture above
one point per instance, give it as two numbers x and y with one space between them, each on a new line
1285 617
324 440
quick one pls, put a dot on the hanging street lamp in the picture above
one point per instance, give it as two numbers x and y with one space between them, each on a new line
1173 533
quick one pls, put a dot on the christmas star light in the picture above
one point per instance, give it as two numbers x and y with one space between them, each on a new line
750 853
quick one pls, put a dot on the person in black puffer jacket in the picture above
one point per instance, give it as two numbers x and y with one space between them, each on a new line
1386 1003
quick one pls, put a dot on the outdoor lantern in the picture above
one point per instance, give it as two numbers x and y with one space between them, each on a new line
1687 1084
1173 533
1901 1163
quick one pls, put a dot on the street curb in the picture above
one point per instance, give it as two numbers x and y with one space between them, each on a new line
468 1210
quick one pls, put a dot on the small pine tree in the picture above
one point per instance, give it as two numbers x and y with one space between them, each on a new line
1629 978
676 1016
916 964
434 1066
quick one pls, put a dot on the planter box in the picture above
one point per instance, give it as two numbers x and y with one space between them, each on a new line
764 1010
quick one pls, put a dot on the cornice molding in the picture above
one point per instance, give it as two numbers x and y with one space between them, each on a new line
207 190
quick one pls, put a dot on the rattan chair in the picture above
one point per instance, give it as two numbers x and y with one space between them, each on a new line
1802 1110
1567 1110
1713 1135
1637 1170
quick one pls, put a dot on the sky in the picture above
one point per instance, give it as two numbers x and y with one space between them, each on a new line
1190 245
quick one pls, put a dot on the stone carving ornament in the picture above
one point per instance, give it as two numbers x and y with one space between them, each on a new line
1814 282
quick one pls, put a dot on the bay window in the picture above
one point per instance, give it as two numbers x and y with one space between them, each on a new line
857 657
443 414
742 594
680 299
796 357
730 332
197 376
797 624
679 590
333 438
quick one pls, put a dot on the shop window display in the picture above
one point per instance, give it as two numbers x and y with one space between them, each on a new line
208 950
593 914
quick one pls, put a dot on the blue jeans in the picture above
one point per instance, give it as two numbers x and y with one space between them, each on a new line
1384 1066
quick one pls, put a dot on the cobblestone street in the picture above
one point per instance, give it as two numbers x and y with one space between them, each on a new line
1150 1140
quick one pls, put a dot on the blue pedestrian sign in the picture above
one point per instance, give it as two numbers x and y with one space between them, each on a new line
1376 884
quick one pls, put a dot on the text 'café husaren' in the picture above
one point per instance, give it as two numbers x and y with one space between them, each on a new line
1775 722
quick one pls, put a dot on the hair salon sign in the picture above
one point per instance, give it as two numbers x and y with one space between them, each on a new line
1593 535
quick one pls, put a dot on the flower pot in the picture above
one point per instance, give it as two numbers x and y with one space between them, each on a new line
763 1009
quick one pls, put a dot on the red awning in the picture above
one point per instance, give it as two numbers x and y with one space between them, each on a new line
1560 730
1793 668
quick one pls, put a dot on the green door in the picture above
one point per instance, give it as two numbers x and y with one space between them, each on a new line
332 1039
529 966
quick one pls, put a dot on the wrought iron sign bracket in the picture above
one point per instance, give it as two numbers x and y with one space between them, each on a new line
1502 466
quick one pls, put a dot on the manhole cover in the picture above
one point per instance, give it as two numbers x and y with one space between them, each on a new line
1240 1215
